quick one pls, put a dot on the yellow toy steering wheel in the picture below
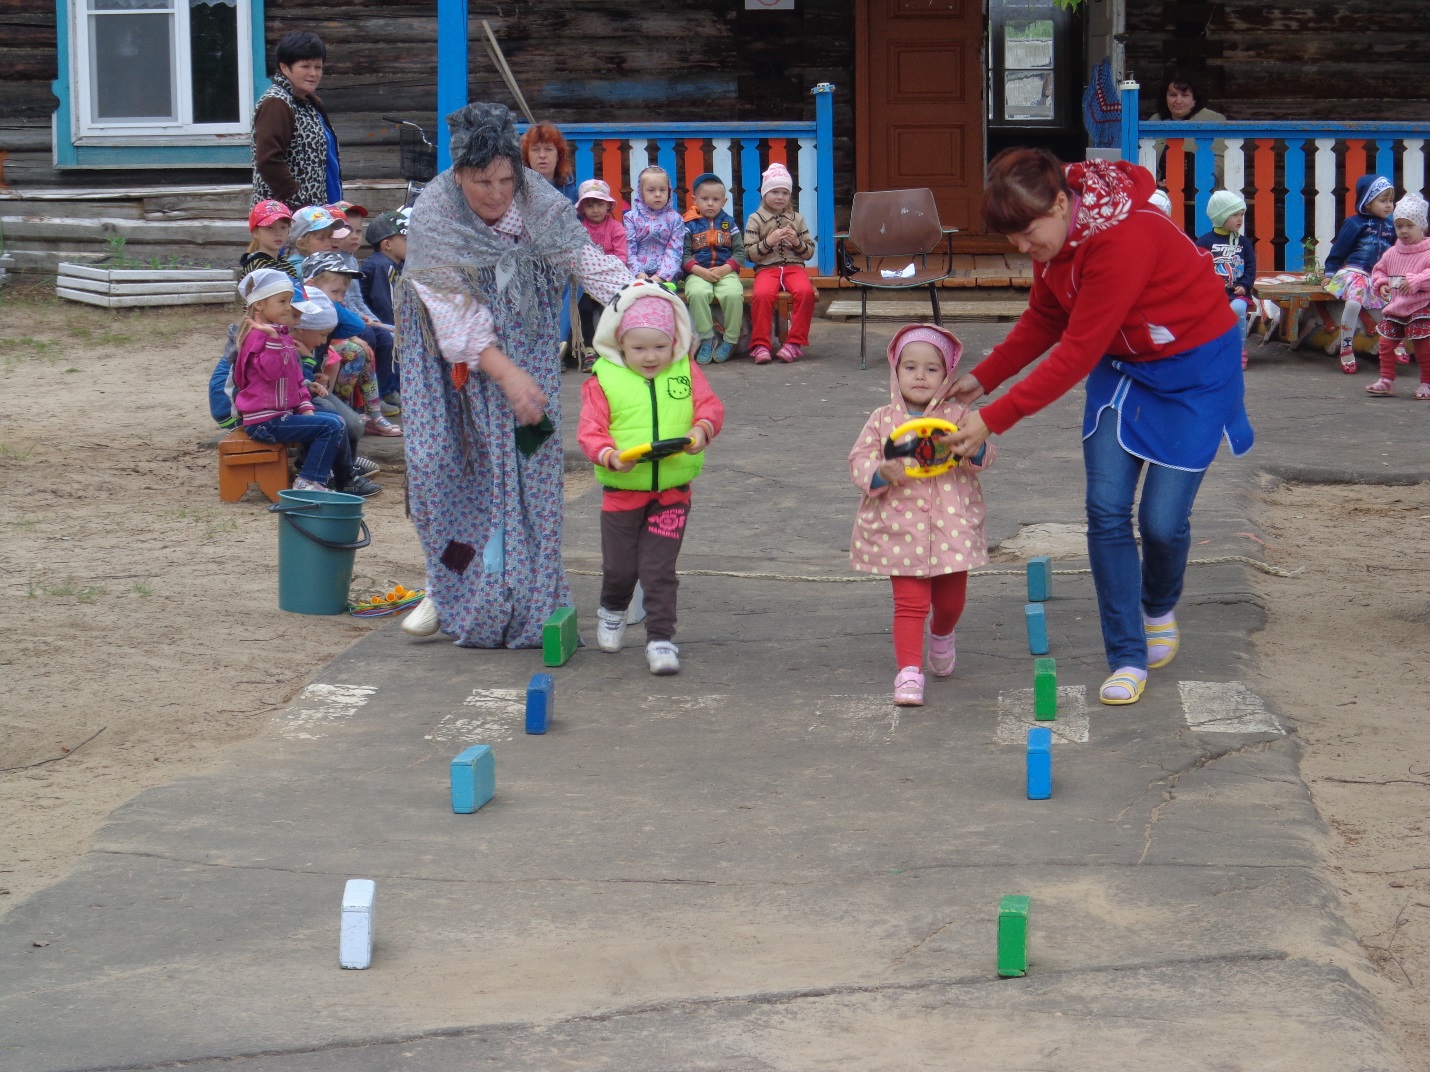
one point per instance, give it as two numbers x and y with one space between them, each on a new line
929 457
661 448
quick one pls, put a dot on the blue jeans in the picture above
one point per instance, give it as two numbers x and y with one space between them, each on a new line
329 456
1127 588
380 339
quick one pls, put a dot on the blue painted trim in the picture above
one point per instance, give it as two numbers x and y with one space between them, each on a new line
451 71
1203 171
665 155
1385 157
66 154
824 175
1295 203
1281 128
1128 92
750 172
584 150
684 130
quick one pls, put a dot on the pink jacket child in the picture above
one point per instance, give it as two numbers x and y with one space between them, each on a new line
609 234
268 375
1403 275
923 533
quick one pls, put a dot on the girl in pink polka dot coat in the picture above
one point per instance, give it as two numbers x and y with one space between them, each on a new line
924 534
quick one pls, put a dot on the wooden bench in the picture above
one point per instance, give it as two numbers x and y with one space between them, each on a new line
1298 298
243 461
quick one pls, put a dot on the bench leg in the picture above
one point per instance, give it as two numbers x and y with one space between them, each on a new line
273 477
233 480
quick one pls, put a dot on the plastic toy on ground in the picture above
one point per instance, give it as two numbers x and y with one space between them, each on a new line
1045 689
1037 628
474 778
1013 936
355 933
558 637
540 703
1040 763
1040 579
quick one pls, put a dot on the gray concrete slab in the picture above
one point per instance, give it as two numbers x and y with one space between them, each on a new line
759 864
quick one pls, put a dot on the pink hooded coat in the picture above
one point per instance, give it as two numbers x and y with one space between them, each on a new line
921 527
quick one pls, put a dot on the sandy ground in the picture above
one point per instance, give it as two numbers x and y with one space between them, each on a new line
137 603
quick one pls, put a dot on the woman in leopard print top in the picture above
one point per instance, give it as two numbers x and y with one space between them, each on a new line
295 153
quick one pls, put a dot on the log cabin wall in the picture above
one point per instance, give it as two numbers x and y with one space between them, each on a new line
1351 59
576 61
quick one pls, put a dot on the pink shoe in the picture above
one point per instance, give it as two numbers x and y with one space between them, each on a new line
942 655
381 426
1382 388
909 687
1401 356
761 355
1348 359
1422 393
790 352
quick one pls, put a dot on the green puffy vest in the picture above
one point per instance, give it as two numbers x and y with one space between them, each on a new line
643 411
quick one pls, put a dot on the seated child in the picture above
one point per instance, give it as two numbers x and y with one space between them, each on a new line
330 274
714 250
947 511
377 333
1401 279
271 397
594 204
655 233
268 223
1362 240
1233 256
777 242
644 378
314 230
387 235
311 337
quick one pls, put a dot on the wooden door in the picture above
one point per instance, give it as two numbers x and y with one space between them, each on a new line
919 102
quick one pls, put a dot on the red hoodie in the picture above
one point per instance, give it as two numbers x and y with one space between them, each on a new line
1150 293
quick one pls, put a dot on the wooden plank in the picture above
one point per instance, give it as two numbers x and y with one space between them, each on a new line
149 275
135 301
226 290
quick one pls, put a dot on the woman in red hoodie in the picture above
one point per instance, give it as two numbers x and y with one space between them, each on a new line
1126 300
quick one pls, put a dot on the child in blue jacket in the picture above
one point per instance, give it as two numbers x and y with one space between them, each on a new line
1233 255
1362 240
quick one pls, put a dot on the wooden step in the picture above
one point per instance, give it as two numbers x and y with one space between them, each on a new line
907 309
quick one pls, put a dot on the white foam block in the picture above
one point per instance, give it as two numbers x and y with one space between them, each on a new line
355 937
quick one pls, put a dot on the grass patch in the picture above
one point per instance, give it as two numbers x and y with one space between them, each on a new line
15 454
68 588
216 528
142 588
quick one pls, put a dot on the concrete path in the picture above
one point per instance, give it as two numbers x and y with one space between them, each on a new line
760 863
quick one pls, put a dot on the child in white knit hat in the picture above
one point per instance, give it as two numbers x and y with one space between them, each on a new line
1401 279
777 243
1233 256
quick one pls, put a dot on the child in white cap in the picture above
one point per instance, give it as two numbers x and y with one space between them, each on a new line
1233 255
777 243
1401 279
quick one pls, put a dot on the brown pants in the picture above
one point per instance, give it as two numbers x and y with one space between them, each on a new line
643 545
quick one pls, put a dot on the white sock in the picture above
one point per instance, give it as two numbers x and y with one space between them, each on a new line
1159 619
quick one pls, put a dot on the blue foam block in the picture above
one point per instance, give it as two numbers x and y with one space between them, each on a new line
540 703
1040 578
1040 763
1037 628
474 778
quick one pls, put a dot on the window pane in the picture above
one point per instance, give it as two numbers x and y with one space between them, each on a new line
1028 44
131 5
1028 95
132 57
213 40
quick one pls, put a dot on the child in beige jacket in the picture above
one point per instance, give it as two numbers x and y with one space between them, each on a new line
777 243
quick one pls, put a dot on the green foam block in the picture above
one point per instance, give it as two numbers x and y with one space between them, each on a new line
1013 936
558 637
1045 689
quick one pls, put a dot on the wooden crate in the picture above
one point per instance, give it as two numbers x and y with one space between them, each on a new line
125 288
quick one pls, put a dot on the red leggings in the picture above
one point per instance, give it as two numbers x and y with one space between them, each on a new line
912 598
768 284
1387 357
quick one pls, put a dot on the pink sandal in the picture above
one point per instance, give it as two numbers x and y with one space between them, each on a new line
1422 393
1382 388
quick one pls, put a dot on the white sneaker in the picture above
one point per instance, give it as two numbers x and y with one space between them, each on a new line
421 620
610 628
663 657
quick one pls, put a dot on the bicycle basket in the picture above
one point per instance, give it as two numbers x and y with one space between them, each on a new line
417 160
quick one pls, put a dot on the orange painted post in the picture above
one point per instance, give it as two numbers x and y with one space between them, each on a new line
694 166
613 170
1355 168
1176 173
777 152
1264 203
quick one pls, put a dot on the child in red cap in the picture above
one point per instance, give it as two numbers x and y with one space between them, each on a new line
268 223
644 379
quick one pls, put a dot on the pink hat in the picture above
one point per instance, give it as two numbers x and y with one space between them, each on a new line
776 177
933 337
596 189
648 312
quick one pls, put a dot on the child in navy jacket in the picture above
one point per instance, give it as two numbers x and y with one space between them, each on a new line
1233 256
1364 237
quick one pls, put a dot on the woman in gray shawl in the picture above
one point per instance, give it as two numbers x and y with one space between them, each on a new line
489 249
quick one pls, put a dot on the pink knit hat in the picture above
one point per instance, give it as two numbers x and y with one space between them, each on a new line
649 312
934 338
776 177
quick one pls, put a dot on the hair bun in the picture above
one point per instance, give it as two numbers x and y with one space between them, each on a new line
481 133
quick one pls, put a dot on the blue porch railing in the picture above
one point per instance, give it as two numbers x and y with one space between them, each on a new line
1298 178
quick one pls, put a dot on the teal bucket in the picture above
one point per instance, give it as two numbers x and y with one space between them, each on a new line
318 531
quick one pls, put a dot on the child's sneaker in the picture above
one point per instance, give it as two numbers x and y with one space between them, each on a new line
663 657
1348 357
365 466
393 399
909 687
790 353
390 410
942 654
761 355
381 426
1382 388
361 485
723 352
302 483
705 351
610 628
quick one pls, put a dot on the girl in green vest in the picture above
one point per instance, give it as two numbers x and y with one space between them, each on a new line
645 389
